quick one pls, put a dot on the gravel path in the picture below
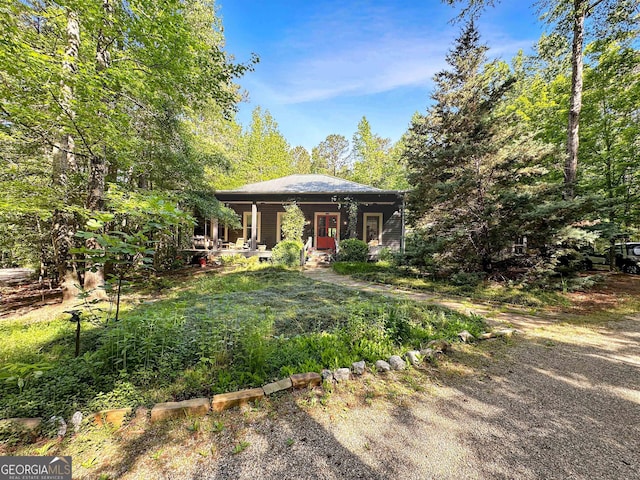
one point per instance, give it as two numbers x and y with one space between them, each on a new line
563 404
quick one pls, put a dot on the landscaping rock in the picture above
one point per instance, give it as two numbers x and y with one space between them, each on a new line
30 427
466 337
358 367
194 407
141 414
227 400
301 380
506 332
76 421
428 353
382 366
439 346
327 375
397 363
114 417
60 424
342 375
271 388
413 357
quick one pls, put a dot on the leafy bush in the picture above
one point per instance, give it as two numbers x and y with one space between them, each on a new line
386 255
292 222
467 278
287 253
353 250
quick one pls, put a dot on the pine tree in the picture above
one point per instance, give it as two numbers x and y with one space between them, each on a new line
470 165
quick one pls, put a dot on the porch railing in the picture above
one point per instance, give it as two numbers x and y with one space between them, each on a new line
305 249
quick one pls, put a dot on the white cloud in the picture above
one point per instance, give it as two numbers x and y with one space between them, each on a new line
340 55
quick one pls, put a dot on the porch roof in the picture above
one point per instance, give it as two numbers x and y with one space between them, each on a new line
308 184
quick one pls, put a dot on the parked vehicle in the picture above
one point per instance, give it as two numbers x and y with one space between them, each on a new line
627 258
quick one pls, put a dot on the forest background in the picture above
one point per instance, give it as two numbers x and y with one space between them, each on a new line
117 126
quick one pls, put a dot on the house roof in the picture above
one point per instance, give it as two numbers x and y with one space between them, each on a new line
313 183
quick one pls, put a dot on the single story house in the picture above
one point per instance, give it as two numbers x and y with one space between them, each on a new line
326 202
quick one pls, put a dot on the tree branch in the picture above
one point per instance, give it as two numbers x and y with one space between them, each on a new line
75 125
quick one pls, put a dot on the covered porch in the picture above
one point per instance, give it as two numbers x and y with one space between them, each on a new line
334 209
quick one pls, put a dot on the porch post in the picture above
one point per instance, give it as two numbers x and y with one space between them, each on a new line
214 233
254 226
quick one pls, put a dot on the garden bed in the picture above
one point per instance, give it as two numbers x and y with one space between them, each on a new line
208 335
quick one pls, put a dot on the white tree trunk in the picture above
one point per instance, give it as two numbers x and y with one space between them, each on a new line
64 163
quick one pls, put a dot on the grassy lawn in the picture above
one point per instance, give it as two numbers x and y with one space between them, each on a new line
207 335
384 272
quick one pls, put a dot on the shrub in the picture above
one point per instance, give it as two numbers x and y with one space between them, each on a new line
287 253
292 222
467 278
353 250
386 255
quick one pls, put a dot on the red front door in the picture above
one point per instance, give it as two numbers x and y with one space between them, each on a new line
327 231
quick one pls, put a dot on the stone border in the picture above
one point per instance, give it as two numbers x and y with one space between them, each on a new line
199 407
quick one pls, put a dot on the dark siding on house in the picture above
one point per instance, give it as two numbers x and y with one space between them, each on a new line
391 223
391 218
392 231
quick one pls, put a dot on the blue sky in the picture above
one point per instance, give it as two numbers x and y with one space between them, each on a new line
325 64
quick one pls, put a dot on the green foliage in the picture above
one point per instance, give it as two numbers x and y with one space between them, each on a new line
287 253
532 290
376 162
473 168
352 220
19 374
218 333
292 223
330 156
353 250
260 153
103 92
301 160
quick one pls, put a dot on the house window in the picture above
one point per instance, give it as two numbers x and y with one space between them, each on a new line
520 246
372 231
279 226
246 226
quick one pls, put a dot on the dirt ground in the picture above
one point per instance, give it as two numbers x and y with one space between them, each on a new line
560 400
616 288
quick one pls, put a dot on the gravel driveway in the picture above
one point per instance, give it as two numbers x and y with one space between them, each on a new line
562 403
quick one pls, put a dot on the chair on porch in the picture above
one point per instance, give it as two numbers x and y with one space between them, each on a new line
241 244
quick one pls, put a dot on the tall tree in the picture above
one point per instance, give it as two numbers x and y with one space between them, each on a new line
110 103
570 18
610 135
376 161
470 165
267 155
331 156
301 160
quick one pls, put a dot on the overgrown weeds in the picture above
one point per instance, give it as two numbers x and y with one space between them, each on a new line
217 333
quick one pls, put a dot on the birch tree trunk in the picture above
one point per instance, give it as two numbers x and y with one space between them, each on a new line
64 164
